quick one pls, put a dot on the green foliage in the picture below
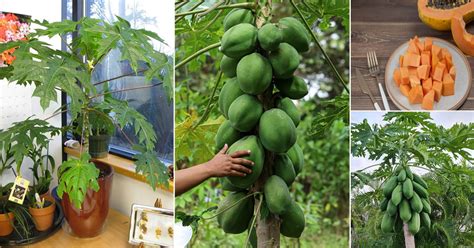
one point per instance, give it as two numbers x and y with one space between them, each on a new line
76 177
148 164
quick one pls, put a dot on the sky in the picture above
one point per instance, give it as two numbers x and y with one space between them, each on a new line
443 118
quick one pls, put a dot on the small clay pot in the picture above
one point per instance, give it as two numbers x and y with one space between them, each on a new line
6 221
43 217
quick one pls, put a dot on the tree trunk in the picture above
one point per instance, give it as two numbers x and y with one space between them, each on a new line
409 238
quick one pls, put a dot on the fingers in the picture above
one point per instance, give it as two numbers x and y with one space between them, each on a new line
235 173
239 154
224 149
242 161
241 168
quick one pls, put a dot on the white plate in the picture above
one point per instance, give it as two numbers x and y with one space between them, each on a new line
462 84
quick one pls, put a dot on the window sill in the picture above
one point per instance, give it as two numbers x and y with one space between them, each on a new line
121 166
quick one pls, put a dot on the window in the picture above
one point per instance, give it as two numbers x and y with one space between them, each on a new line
151 102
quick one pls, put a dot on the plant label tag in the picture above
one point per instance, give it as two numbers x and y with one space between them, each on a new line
19 189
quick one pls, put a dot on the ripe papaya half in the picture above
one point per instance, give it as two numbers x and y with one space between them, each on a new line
463 39
440 18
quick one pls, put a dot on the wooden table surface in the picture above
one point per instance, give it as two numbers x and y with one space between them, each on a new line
382 26
115 235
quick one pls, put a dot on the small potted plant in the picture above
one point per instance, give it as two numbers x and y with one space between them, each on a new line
42 212
6 219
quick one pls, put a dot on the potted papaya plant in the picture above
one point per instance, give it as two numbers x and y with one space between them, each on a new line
83 180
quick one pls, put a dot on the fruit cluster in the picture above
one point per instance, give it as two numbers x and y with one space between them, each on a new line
256 101
406 201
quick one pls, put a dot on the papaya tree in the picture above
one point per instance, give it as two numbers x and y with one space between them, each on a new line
259 56
406 143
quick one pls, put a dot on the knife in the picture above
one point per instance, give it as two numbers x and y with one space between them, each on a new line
365 88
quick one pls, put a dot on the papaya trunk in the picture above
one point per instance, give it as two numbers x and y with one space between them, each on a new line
409 238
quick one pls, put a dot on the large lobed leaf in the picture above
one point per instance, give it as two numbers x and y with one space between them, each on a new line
148 164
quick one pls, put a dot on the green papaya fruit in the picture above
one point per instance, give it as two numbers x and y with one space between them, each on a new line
293 221
384 204
226 134
284 61
287 105
254 74
398 169
229 66
277 195
402 175
420 181
230 91
235 219
391 208
277 131
422 192
293 88
239 40
283 167
227 185
426 206
389 186
397 195
405 211
388 222
414 223
415 203
297 158
269 37
237 16
295 33
425 219
244 113
409 173
257 155
408 188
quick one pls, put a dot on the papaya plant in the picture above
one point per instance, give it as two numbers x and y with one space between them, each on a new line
405 142
53 71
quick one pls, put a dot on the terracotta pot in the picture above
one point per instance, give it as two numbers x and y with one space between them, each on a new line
89 220
43 217
6 221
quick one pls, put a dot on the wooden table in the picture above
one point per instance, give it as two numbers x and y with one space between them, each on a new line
382 26
114 236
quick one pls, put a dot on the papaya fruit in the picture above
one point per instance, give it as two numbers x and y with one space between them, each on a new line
277 195
405 211
420 181
293 221
384 204
414 223
389 186
402 175
407 189
238 16
230 91
409 173
257 155
397 195
283 167
426 206
294 33
277 131
244 112
226 134
415 203
269 37
293 88
398 169
239 40
287 105
227 185
388 222
425 219
422 192
441 18
391 208
229 66
284 60
254 74
296 156
235 219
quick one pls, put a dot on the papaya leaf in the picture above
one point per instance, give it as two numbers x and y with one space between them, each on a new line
148 164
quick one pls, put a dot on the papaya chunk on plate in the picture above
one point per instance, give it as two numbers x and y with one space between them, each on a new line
414 81
405 75
428 100
412 59
397 77
405 89
438 89
426 58
448 85
426 85
439 72
428 44
423 71
452 72
415 96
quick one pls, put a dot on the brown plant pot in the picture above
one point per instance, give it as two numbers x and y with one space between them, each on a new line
43 217
6 221
88 221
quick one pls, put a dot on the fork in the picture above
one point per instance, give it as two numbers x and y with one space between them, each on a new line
374 71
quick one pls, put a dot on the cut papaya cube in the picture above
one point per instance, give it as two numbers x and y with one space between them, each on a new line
414 81
425 58
397 77
412 71
452 72
428 44
404 75
428 100
426 85
415 95
419 44
405 89
412 59
438 72
436 51
438 88
423 71
448 85
413 48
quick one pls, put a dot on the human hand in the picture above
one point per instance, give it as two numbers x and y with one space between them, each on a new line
223 164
